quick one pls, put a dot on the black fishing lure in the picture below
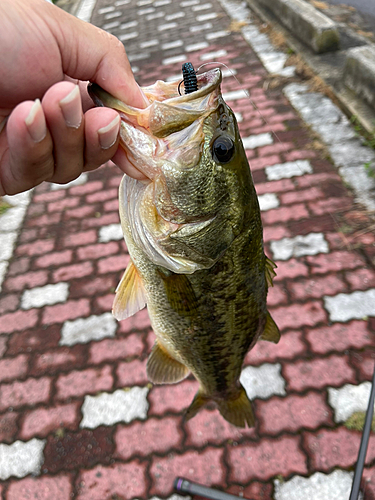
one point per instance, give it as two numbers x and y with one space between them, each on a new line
190 78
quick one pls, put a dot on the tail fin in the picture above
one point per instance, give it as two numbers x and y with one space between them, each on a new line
236 411
239 411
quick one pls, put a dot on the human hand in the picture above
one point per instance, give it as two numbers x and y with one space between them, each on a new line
47 54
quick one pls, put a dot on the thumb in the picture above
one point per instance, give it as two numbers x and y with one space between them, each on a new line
89 53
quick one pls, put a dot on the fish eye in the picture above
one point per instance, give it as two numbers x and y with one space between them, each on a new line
223 149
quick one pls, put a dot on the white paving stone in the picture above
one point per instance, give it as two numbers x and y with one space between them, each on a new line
113 15
110 26
203 6
235 94
149 43
120 406
349 399
82 179
206 17
334 486
216 34
143 12
213 55
138 57
113 232
20 199
346 306
288 170
167 26
310 244
268 201
157 15
172 45
176 15
128 36
256 141
196 46
200 27
20 459
239 117
130 24
159 3
189 3
45 295
140 3
85 10
3 270
12 219
263 381
7 242
122 2
105 10
174 60
229 72
81 331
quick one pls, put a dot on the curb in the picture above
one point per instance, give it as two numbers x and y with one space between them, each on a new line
331 66
312 27
359 72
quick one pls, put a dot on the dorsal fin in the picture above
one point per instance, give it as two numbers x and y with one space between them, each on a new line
270 273
130 294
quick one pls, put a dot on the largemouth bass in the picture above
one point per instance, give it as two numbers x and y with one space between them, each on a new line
194 235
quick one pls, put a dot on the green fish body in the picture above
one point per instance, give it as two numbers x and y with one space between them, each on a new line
194 234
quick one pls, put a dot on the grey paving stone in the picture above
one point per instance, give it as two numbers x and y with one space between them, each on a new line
20 459
85 330
346 306
310 244
349 399
45 295
263 381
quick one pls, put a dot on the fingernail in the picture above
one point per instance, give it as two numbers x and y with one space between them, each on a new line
36 123
71 108
108 134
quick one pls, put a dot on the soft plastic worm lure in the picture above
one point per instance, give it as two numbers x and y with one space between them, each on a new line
190 78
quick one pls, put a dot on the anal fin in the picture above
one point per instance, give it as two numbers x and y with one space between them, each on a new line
163 369
130 294
239 411
271 333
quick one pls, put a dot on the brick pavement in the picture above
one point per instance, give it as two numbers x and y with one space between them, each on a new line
78 418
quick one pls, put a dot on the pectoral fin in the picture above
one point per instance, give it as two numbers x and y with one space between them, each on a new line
180 293
270 273
163 369
130 294
271 332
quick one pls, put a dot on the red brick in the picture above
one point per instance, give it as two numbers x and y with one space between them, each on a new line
80 239
299 155
307 181
275 186
290 269
42 488
8 427
152 436
299 196
111 205
203 467
361 279
102 196
39 247
79 213
61 358
364 363
54 259
290 345
45 220
274 233
61 205
19 266
339 337
336 448
36 339
69 310
318 373
96 251
172 398
119 348
138 321
277 295
78 383
42 421
12 368
368 483
293 413
316 287
278 147
28 280
3 345
92 286
17 321
329 205
74 271
272 128
335 261
28 393
297 315
112 264
284 214
117 481
105 303
9 303
282 117
260 163
104 220
115 182
51 196
131 373
89 187
266 459
209 427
